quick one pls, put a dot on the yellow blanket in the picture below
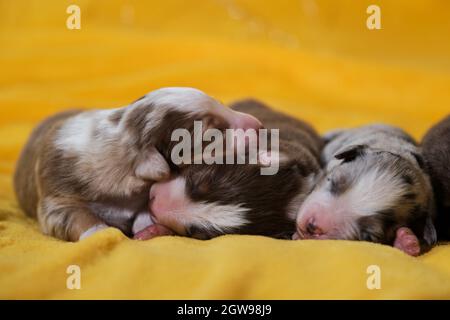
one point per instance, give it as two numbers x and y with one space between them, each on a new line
313 59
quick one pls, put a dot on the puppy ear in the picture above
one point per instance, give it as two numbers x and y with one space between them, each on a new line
152 166
350 153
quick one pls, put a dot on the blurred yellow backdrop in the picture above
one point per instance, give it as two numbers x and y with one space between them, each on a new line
314 59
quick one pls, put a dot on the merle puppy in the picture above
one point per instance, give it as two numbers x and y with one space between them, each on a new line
374 188
82 171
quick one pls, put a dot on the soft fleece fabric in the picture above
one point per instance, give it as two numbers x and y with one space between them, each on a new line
312 59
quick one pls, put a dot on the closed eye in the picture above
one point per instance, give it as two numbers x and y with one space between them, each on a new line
197 233
338 185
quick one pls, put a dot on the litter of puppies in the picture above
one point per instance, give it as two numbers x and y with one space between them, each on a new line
83 171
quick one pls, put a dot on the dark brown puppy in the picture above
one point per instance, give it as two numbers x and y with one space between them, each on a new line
206 201
436 153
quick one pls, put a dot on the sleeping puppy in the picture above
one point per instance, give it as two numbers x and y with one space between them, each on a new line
82 171
436 153
374 188
205 201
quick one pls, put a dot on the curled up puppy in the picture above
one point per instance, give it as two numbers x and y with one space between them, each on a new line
82 171
208 200
374 188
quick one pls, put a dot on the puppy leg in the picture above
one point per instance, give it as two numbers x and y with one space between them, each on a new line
67 218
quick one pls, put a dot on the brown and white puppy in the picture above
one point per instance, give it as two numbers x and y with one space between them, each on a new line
374 188
82 171
436 153
205 201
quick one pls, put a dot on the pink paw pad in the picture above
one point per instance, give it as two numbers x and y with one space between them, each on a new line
407 241
153 231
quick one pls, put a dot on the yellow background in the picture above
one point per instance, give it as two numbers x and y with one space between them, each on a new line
312 59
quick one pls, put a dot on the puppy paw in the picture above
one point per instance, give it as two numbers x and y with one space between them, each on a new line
407 241
152 166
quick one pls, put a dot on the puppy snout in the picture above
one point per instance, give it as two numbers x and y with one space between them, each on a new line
315 222
159 199
312 229
168 204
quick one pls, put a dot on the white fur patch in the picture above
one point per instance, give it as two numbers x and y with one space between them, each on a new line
219 217
76 134
377 190
183 212
210 215
92 230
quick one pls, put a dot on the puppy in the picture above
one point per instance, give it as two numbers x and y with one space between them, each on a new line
205 201
436 153
82 171
374 188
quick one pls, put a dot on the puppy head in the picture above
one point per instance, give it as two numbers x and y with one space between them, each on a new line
150 122
206 201
156 115
367 194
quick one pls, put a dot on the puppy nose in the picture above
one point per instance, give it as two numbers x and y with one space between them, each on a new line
312 228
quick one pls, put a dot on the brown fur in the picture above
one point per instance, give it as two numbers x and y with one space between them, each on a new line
436 154
60 187
34 180
32 159
268 198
